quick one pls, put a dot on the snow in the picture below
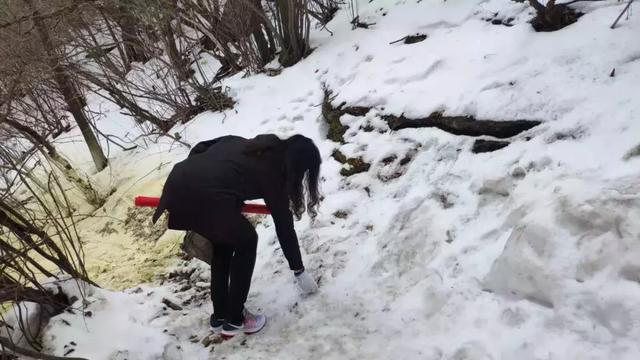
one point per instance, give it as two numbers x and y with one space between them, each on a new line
24 322
529 252
102 330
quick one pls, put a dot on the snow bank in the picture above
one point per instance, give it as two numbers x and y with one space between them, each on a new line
113 325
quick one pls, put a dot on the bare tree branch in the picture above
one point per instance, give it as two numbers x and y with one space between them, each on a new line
6 343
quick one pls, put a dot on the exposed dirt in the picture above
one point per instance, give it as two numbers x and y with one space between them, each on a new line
138 224
214 99
553 17
353 165
332 116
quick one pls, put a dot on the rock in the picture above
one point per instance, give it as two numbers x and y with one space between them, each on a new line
484 146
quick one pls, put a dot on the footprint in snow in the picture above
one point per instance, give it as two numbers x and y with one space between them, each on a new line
417 77
398 60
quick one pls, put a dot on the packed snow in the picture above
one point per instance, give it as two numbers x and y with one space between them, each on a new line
530 252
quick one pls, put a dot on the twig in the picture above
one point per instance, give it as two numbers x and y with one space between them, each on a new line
141 178
324 27
575 1
356 23
171 304
109 137
622 13
397 41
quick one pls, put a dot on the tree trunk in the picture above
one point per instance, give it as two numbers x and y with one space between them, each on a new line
120 45
133 45
178 63
44 107
216 35
180 66
69 91
294 44
265 45
272 42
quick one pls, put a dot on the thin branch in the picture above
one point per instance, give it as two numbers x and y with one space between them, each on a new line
7 343
576 1
626 8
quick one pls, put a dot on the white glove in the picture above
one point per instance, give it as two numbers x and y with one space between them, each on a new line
306 283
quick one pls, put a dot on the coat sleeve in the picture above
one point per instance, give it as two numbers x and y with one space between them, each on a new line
164 199
277 201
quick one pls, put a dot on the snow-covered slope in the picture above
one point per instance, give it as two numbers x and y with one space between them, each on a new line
529 252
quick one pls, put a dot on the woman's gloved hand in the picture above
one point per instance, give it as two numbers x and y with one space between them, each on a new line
306 283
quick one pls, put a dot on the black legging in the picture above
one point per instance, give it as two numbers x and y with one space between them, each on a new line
234 257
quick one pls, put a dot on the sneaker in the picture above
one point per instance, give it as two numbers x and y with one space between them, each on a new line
251 325
216 324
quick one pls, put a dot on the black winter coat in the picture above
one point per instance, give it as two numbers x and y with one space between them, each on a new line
231 166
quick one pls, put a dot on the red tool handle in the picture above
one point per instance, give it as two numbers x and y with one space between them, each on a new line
147 201
154 201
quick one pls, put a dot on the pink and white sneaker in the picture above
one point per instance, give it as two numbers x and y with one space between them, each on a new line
251 325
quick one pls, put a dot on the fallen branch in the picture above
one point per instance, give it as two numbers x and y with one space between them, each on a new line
463 125
8 344
576 1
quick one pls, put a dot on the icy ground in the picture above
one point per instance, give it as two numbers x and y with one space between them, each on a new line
529 252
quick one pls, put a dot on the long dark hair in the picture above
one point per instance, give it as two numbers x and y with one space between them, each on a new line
303 161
